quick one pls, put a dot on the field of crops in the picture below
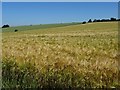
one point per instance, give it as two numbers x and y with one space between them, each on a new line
75 56
34 27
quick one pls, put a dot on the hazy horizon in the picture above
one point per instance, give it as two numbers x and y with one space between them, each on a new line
27 13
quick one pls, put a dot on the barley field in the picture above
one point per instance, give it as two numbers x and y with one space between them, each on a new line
75 56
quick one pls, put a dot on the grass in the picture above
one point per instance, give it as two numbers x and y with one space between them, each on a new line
34 27
76 56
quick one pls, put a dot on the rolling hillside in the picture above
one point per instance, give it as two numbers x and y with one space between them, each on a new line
41 26
70 56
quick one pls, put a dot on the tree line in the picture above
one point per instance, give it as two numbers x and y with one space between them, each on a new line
89 21
5 26
101 20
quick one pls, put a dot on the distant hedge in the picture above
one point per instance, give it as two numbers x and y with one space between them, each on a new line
105 20
5 26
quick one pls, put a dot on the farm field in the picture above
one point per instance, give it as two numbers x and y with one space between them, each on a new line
41 26
73 56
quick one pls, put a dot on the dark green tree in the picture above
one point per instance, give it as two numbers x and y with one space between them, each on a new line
89 21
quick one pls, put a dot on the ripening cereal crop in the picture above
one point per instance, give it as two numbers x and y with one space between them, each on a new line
76 56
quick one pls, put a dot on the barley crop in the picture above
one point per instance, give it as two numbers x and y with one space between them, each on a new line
78 56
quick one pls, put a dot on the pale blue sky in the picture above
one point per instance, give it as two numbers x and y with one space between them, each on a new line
60 0
26 13
0 14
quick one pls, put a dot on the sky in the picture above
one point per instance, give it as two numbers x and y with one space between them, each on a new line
60 0
0 14
27 13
